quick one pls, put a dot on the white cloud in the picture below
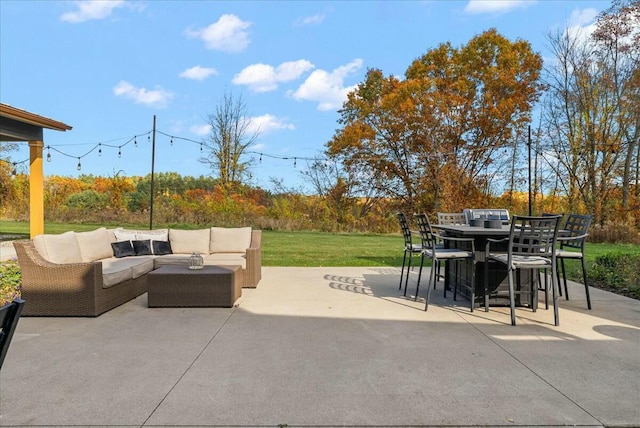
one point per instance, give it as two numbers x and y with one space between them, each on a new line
327 89
268 123
87 10
583 16
582 23
228 34
153 98
265 78
198 73
495 6
310 20
201 130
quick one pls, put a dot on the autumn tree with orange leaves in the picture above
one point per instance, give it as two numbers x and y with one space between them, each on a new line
432 140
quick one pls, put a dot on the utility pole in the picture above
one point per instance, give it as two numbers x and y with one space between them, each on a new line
153 161
529 148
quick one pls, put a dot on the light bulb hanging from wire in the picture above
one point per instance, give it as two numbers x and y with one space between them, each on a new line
14 172
48 154
135 142
119 151
171 142
79 165
99 149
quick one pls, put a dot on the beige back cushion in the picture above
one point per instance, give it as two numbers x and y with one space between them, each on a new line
188 241
112 235
124 235
94 245
230 239
38 242
154 235
63 248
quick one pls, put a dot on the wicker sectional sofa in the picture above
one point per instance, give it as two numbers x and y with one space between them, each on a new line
78 273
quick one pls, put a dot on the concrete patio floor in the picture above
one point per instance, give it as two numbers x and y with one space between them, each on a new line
328 347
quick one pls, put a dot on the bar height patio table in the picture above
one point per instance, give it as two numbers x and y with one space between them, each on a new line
497 275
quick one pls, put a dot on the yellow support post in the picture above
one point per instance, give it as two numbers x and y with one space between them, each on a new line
36 189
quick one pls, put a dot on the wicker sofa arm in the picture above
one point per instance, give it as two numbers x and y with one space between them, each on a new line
253 273
77 282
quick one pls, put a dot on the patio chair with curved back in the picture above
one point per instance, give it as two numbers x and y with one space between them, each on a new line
532 242
437 254
571 247
9 316
409 248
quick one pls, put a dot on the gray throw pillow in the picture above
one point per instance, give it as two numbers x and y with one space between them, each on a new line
161 247
123 249
142 247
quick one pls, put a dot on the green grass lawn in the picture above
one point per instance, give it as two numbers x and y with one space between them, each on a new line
309 249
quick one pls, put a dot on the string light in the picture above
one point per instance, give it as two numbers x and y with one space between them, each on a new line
14 172
79 165
203 145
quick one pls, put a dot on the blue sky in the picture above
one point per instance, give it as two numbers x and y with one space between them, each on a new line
107 67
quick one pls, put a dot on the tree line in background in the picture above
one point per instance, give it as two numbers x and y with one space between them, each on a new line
189 201
455 133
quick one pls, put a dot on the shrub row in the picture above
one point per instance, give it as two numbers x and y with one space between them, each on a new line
617 272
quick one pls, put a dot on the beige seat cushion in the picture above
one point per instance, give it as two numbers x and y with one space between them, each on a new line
188 241
230 239
94 245
226 259
115 271
62 248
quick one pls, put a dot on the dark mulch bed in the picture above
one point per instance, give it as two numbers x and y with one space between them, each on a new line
13 236
633 293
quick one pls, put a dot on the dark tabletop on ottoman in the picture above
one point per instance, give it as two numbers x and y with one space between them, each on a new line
178 286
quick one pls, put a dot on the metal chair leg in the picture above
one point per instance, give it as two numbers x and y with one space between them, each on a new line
586 286
556 315
564 278
419 276
431 278
406 280
404 257
512 300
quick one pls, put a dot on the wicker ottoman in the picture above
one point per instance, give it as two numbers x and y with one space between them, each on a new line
179 286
